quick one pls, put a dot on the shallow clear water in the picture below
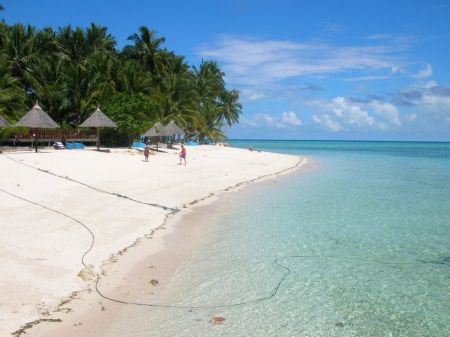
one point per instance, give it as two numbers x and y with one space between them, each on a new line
365 234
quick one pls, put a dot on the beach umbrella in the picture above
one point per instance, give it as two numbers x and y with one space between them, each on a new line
173 129
37 118
164 131
160 130
154 130
98 120
3 122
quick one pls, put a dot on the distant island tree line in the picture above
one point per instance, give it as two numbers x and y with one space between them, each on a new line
71 71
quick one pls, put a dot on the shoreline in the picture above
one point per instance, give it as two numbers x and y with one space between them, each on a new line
159 244
183 233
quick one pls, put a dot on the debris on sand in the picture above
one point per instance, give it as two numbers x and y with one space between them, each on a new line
217 320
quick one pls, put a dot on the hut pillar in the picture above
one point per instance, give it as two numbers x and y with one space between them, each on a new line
98 139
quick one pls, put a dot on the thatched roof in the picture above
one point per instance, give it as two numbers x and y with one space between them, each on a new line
98 120
37 118
155 130
160 130
173 129
3 122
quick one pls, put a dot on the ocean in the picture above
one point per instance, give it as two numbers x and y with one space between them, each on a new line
356 245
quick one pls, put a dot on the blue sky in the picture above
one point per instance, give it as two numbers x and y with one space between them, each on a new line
371 70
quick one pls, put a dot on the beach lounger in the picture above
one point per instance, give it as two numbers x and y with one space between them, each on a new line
75 146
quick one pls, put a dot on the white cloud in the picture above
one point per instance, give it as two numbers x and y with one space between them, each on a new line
256 96
248 122
326 121
284 120
268 119
428 95
256 62
403 39
368 78
352 113
252 95
290 118
342 113
427 102
424 73
429 84
430 101
410 117
387 111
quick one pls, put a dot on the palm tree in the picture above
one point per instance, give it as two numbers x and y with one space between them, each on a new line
209 128
12 95
84 87
99 40
177 99
101 65
173 64
146 49
231 109
73 43
210 83
46 43
18 44
132 79
77 44
46 81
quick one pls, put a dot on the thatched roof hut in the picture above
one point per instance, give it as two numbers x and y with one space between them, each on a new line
98 120
37 118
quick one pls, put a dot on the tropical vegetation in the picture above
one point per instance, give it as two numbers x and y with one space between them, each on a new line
72 70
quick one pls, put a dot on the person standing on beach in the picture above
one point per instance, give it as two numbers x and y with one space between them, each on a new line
146 153
183 154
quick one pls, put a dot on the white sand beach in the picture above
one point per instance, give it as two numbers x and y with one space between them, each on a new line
53 204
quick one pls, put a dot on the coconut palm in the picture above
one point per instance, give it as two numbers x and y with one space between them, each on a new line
72 43
132 79
12 95
210 82
99 40
174 64
146 49
177 99
18 45
209 128
46 81
101 65
230 108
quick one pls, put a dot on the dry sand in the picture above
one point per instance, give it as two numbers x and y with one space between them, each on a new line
76 195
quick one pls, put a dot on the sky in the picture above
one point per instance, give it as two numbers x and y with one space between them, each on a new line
344 70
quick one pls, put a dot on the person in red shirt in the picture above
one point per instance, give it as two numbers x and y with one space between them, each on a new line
183 154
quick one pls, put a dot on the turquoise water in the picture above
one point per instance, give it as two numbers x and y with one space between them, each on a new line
365 234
